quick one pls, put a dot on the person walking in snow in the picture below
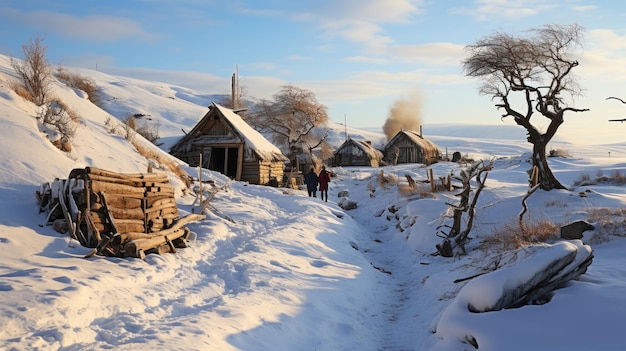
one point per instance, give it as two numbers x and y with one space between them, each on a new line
324 179
310 179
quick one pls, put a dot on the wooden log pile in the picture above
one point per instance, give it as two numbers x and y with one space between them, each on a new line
117 214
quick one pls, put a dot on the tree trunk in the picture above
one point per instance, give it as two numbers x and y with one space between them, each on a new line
546 179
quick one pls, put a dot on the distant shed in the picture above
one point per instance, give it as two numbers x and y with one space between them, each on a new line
357 153
227 144
410 147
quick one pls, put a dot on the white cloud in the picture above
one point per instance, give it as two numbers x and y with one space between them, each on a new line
194 80
431 53
366 59
511 9
606 38
584 8
604 56
99 28
376 11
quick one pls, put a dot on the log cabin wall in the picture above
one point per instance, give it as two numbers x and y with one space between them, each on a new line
352 154
263 172
349 157
409 152
402 149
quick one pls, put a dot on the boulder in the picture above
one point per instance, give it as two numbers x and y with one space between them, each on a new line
347 204
343 193
575 230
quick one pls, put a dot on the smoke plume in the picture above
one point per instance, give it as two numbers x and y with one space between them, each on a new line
404 114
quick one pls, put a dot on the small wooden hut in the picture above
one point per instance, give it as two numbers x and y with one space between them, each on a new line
225 143
410 147
357 153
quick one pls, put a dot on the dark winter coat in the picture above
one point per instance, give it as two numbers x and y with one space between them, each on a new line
311 181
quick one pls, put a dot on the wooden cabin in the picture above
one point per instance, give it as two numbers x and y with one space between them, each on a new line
410 147
225 143
357 153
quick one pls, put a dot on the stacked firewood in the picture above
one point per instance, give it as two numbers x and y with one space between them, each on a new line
117 214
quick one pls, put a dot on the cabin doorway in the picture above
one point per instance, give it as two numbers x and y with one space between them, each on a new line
224 160
407 155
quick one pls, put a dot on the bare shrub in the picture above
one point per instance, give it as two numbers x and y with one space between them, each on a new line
60 118
126 129
34 71
111 124
584 179
77 81
512 236
148 131
618 178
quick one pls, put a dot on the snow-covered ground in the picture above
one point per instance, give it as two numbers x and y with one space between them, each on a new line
272 269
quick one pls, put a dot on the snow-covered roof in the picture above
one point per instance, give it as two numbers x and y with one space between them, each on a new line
415 138
254 140
365 147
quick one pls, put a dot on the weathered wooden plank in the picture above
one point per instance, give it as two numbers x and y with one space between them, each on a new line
111 188
135 247
119 201
126 213
131 181
158 177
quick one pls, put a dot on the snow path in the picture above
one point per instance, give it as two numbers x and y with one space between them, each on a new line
273 272
380 244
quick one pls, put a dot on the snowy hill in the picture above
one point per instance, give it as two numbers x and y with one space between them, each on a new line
272 269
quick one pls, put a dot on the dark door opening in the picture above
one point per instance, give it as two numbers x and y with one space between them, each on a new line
224 160
231 163
218 155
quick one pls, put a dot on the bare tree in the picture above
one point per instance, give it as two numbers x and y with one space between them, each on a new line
538 72
457 238
295 119
34 71
623 102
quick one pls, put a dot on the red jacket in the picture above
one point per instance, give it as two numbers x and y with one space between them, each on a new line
324 179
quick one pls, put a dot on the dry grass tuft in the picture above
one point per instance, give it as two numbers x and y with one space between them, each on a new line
616 178
422 190
21 91
77 81
556 203
608 222
387 179
133 126
158 158
511 236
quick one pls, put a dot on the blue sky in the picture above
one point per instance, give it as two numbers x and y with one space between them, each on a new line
358 56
